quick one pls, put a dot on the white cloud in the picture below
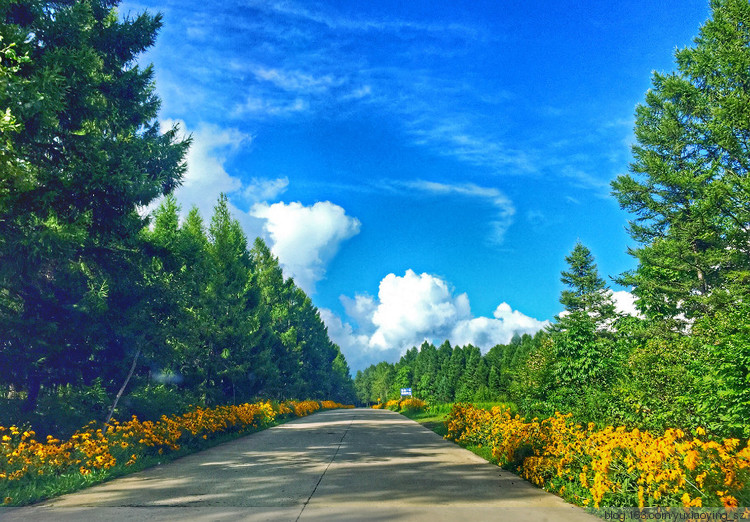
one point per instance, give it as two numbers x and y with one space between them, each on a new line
297 81
361 309
354 344
625 303
305 238
358 94
455 138
259 106
585 180
264 189
505 210
485 332
413 308
206 176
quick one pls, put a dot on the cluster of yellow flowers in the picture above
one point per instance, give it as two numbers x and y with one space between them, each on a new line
407 404
25 459
331 405
611 466
412 404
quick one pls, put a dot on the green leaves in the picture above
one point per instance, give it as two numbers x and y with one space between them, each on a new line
75 165
688 187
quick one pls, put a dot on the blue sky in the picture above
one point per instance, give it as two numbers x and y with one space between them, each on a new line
420 168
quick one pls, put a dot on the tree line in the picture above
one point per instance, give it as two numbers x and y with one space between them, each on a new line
99 303
685 360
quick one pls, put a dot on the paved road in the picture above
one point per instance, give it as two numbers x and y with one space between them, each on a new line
338 465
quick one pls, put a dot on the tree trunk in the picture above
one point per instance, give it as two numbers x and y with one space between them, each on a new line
124 385
35 385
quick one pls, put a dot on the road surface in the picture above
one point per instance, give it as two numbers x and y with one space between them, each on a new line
338 465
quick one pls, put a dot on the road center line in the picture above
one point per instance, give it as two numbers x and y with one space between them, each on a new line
338 447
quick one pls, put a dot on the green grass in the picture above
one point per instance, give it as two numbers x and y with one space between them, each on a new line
489 405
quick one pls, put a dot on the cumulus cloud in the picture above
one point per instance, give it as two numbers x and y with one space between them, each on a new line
361 309
412 308
353 343
625 303
305 238
206 176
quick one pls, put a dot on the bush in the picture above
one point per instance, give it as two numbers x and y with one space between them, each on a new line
151 401
412 405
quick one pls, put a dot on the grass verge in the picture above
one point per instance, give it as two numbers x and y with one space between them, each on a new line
32 471
435 417
64 483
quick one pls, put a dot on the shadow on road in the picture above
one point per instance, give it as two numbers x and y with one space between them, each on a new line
375 463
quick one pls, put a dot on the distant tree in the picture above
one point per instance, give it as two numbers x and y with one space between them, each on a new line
474 375
586 291
342 386
363 385
383 376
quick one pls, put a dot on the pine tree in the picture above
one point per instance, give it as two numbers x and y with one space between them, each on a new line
238 359
581 330
278 295
86 154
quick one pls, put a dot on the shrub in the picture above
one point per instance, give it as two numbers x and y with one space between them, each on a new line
611 466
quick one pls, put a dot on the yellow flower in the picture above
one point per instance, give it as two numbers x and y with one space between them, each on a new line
691 460
729 502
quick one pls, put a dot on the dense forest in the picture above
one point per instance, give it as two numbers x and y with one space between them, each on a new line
106 310
103 309
685 360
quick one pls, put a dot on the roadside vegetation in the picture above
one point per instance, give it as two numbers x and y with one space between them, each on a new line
645 409
611 467
108 310
33 469
683 360
160 332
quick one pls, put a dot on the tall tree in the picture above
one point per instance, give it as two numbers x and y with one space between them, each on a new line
588 311
91 153
689 186
278 295
238 357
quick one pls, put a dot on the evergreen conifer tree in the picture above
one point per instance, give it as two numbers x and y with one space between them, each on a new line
689 187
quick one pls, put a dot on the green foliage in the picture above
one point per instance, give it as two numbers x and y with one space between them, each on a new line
152 400
586 292
658 389
88 154
689 183
723 378
94 304
686 362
